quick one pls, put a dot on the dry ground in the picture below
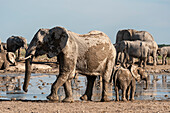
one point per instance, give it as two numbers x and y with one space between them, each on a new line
85 107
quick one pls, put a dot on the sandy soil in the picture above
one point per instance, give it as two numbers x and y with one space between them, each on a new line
83 107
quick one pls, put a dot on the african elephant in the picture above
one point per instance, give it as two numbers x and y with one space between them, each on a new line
132 35
90 54
164 52
138 49
7 58
125 79
134 49
14 43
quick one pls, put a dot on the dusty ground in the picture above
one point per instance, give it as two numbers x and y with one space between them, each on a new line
82 107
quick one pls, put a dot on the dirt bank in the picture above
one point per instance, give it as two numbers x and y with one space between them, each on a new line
45 65
84 107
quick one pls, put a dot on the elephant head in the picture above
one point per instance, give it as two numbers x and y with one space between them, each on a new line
11 58
121 46
124 35
139 74
46 41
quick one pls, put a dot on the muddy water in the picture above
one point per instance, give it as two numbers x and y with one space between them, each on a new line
40 84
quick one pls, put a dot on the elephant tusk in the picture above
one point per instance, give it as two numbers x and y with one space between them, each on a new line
27 57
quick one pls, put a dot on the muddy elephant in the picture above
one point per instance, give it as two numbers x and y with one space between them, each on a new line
138 49
164 52
132 35
15 43
125 79
90 54
7 58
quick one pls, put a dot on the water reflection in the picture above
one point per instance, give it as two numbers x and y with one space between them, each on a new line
40 85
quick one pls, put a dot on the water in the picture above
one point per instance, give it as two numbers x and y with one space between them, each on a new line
40 85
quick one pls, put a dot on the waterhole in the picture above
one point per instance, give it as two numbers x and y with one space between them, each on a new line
40 86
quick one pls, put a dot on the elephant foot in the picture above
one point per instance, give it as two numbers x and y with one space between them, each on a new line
84 98
53 98
117 100
124 99
68 99
105 99
132 99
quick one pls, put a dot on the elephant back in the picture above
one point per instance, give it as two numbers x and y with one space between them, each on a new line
132 35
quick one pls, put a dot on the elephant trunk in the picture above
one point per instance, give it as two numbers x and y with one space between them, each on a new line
27 73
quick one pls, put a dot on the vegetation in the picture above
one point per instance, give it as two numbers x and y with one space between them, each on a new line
162 45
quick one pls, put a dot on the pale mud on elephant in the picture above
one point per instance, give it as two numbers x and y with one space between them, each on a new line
15 43
164 52
90 54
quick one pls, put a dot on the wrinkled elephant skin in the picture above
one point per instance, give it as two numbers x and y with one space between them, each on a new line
90 54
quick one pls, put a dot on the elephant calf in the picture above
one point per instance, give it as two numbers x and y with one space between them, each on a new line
7 58
125 79
164 52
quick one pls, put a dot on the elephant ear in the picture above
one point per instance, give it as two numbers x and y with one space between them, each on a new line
134 71
127 34
57 40
11 57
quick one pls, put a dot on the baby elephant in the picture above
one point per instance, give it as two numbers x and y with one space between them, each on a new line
125 79
7 58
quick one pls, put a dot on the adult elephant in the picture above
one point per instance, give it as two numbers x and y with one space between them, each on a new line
91 54
134 49
164 52
14 43
138 49
125 79
132 35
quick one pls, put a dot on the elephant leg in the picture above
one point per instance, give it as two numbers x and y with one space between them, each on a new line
154 59
18 53
133 88
89 90
124 94
128 92
117 93
56 85
140 62
104 91
105 79
144 63
68 91
166 61
117 57
125 60
122 57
